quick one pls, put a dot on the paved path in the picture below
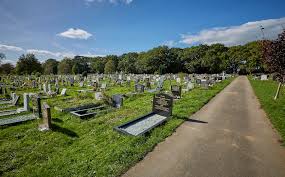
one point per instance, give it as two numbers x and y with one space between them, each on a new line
237 141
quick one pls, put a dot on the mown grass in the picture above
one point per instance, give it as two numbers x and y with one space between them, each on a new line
91 147
275 109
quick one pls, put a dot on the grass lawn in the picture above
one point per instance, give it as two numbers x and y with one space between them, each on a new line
275 109
91 147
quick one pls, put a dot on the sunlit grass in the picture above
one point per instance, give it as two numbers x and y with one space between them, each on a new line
91 147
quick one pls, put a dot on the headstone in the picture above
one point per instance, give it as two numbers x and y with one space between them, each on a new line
117 101
264 77
176 91
98 96
45 88
36 101
63 92
26 102
46 118
162 104
139 88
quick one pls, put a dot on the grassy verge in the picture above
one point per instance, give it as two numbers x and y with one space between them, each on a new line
275 109
91 147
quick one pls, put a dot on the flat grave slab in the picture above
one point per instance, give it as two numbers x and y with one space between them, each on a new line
86 113
17 119
8 112
161 111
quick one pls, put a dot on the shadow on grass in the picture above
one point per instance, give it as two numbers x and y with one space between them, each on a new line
65 131
57 120
192 120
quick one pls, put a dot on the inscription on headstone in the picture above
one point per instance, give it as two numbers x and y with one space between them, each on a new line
162 104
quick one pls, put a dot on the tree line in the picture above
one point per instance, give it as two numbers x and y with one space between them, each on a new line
160 60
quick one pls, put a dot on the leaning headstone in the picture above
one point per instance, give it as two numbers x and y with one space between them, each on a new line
63 92
46 118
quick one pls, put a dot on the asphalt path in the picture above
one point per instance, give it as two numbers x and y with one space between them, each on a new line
229 137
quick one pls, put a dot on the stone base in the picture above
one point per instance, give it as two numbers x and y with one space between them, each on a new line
44 128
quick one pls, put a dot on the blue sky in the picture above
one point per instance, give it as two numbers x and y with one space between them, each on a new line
59 28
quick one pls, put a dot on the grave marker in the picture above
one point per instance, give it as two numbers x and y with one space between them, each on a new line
46 118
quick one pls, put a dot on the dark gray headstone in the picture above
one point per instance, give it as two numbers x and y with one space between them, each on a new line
162 104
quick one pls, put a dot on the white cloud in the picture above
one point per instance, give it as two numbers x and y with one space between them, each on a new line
236 35
10 48
75 33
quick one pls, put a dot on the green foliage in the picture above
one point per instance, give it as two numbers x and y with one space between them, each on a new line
76 68
28 64
110 67
213 58
98 65
90 147
2 57
50 66
6 68
65 66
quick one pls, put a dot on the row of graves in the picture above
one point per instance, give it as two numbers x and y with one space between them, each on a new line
53 87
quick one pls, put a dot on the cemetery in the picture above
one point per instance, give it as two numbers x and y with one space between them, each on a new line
129 88
54 116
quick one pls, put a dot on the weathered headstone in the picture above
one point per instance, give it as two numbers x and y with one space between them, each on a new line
176 91
117 101
139 88
98 95
46 118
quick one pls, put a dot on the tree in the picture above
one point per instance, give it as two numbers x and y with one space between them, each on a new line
76 68
50 66
98 65
7 68
2 57
110 67
65 66
28 64
274 57
127 62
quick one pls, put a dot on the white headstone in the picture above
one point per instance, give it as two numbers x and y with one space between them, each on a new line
98 95
63 92
264 77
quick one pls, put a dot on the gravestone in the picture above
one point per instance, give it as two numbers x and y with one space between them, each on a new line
26 102
264 77
63 92
139 88
98 96
162 109
103 86
162 104
117 100
176 91
36 102
45 88
46 118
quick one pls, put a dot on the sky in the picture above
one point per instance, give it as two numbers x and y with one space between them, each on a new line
65 28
